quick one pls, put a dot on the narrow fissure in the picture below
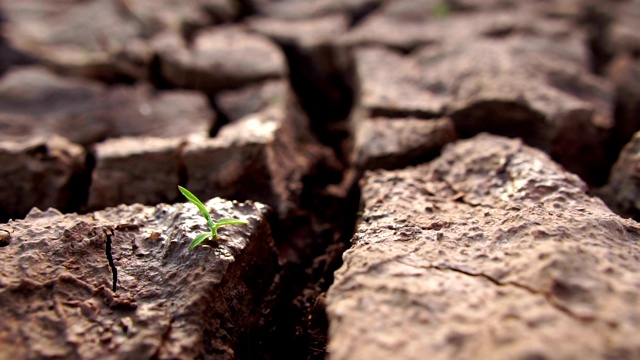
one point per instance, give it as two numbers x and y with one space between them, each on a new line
80 183
313 240
294 323
325 96
297 326
108 233
221 117
547 295
528 289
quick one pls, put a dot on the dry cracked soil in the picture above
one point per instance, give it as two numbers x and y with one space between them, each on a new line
441 179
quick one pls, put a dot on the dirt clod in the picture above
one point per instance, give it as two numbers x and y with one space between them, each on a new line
490 244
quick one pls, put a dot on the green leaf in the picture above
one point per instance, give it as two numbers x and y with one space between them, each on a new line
199 239
441 10
198 204
226 221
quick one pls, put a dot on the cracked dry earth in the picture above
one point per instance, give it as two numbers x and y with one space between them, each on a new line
490 251
421 179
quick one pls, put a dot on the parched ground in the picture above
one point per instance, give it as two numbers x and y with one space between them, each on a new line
421 179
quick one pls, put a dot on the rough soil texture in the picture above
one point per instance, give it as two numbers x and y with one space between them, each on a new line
515 87
288 103
316 62
624 73
108 47
293 9
409 24
235 104
40 163
490 251
56 283
622 193
36 102
262 156
383 143
153 163
219 58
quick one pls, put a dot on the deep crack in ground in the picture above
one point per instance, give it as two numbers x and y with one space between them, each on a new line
296 316
108 233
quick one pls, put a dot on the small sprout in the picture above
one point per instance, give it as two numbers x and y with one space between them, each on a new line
213 225
5 238
441 10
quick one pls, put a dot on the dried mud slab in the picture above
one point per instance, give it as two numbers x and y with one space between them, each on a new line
33 100
318 65
305 33
234 104
56 285
38 172
134 170
182 16
383 143
37 102
263 156
9 56
219 58
622 193
48 30
624 73
528 87
490 251
293 9
407 25
148 169
393 93
623 36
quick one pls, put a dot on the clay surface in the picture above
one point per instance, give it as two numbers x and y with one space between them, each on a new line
623 37
624 73
293 9
130 170
235 104
622 193
383 143
262 156
36 102
528 87
170 302
42 171
219 58
407 25
48 30
318 63
490 251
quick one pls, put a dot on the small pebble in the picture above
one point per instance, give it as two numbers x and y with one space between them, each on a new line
5 237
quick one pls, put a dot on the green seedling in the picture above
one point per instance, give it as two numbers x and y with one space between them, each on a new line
441 10
213 225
